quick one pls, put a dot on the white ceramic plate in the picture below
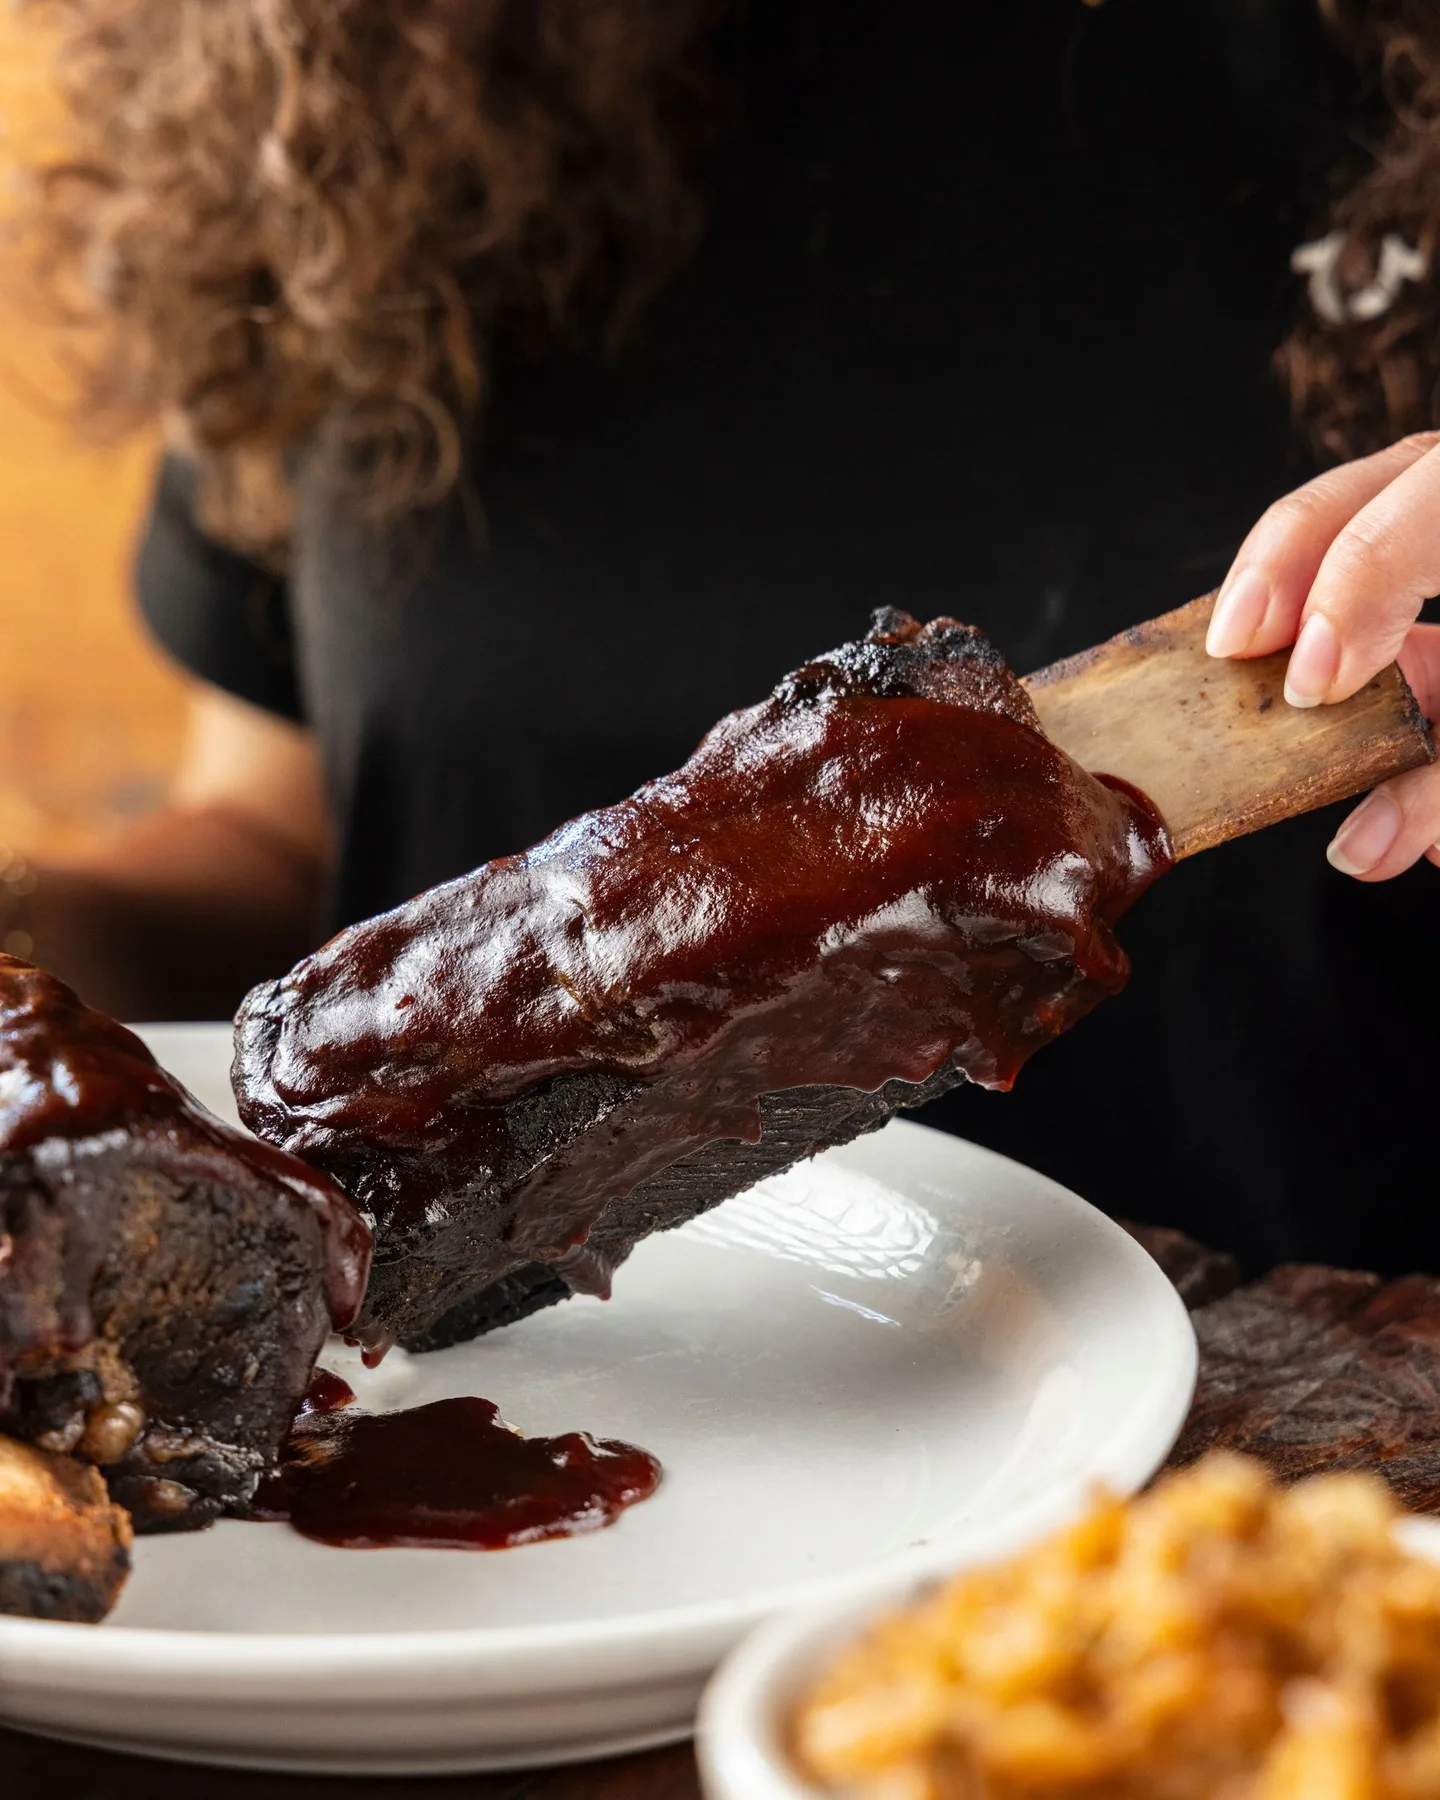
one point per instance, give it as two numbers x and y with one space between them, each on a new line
744 1709
904 1355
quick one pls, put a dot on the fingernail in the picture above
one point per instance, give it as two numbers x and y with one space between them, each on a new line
1365 836
1238 613
1314 662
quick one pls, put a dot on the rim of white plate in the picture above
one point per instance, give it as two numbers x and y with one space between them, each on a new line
132 1657
138 1654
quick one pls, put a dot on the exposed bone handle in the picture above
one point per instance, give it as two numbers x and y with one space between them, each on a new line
1214 743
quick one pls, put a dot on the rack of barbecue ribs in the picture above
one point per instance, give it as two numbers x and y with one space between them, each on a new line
882 881
165 1282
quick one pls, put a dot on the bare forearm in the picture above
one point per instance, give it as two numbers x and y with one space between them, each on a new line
173 918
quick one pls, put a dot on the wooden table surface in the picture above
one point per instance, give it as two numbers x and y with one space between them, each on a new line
1310 1369
31 1769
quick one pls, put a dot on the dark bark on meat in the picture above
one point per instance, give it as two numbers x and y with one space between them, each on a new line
167 1282
880 882
1316 1369
796 1124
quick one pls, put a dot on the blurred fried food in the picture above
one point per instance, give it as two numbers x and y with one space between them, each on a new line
1218 1637
64 1545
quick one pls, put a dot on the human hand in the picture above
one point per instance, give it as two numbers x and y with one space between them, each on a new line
1341 569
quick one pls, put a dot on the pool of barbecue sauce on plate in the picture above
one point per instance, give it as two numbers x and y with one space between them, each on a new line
449 1475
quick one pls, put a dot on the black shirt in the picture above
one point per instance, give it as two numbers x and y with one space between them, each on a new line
982 324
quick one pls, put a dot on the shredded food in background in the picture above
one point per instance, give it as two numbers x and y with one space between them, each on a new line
1217 1639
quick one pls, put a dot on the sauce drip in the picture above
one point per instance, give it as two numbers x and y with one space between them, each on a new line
450 1475
326 1393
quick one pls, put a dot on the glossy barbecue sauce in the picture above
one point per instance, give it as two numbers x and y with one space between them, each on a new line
883 872
326 1393
71 1074
450 1475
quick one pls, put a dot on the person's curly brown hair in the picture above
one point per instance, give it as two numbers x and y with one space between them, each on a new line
1362 383
293 219
302 221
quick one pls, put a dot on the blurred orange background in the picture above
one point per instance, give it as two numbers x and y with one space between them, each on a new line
89 713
